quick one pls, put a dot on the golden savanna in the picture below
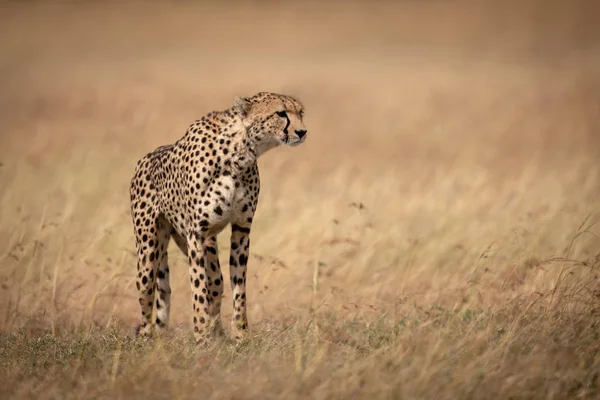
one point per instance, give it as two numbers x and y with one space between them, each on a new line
435 236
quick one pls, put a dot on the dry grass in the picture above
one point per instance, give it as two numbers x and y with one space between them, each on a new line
436 236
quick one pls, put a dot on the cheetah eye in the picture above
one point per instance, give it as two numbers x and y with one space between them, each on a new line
282 114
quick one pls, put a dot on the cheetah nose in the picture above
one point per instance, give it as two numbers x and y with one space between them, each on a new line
300 133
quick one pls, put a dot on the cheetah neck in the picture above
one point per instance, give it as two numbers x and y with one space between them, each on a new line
247 144
240 142
242 149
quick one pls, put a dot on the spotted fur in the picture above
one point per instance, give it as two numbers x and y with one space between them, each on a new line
190 191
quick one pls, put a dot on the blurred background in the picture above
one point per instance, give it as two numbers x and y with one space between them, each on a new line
437 130
436 236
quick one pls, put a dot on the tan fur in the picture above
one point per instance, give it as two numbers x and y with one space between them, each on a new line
191 191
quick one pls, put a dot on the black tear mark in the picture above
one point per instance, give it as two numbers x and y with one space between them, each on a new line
285 130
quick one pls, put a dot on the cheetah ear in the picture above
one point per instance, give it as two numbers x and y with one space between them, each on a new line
242 105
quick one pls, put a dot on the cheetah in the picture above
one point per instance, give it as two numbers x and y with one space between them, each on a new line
190 191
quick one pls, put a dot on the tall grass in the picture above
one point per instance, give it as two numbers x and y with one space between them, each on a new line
435 237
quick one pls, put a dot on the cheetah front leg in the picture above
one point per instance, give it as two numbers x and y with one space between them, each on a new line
202 298
238 260
214 283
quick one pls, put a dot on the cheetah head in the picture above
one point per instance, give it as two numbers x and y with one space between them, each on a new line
272 119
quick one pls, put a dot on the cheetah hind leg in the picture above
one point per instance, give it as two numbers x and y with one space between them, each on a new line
162 290
180 241
153 279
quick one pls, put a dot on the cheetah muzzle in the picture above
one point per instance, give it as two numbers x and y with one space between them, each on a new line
190 191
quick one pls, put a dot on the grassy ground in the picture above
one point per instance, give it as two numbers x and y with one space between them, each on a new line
435 237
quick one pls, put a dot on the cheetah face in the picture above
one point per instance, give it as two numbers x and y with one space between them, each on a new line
273 119
293 132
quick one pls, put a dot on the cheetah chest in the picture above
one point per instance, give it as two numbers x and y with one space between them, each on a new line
223 204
